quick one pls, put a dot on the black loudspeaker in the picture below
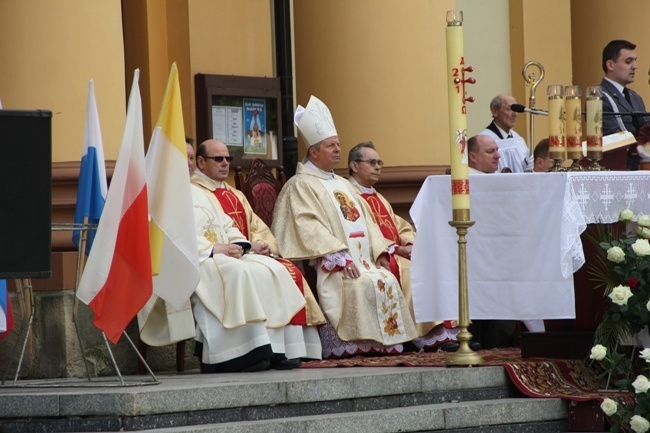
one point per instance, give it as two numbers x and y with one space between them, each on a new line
25 194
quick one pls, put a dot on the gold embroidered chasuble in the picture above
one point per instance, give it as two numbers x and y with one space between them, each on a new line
308 224
230 288
258 231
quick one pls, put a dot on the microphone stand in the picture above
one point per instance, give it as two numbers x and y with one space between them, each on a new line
533 81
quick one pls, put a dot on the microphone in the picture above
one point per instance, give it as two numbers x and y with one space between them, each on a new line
518 108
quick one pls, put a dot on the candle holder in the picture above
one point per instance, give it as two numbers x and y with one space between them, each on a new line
595 155
556 131
595 127
457 98
573 109
464 356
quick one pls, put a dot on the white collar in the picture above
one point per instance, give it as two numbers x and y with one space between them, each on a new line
311 165
504 134
216 184
617 85
364 189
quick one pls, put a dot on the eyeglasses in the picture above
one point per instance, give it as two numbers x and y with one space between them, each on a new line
372 162
219 158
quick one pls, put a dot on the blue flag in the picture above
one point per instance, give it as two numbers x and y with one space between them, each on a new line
6 316
91 193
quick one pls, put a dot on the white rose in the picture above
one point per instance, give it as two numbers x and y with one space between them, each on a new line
627 215
620 295
645 354
641 384
598 352
641 247
616 255
609 407
643 220
639 424
647 306
643 232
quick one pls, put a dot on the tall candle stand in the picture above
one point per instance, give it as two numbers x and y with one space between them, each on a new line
456 70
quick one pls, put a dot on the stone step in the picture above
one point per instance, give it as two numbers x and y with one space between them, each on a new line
194 401
505 415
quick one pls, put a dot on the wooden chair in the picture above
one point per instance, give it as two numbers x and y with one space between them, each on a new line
261 188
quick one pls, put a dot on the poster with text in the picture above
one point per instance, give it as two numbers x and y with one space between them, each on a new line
255 124
227 125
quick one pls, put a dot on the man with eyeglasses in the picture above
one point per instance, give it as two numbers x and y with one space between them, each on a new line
249 312
212 175
362 300
364 167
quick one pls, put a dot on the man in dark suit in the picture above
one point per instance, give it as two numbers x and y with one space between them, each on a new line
619 65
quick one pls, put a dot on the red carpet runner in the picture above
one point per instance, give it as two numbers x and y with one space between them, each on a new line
534 377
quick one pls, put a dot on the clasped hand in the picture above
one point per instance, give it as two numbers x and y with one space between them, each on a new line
260 248
230 250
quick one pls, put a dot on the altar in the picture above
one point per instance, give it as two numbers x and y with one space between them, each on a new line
525 244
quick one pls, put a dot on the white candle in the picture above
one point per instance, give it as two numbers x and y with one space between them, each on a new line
457 117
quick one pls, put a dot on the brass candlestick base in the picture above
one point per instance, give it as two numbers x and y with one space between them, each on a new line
557 166
595 156
575 166
595 166
464 356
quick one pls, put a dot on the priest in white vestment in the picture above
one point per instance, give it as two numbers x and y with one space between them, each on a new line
244 302
512 147
319 216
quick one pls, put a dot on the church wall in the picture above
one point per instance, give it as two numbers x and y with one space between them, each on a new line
380 66
534 38
51 50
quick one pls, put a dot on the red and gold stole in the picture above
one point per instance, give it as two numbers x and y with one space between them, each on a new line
386 224
234 208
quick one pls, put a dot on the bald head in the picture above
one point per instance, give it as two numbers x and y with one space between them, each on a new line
483 153
213 159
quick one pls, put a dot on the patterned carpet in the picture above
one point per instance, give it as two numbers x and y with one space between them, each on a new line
536 377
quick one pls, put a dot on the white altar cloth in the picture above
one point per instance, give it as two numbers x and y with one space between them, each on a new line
524 246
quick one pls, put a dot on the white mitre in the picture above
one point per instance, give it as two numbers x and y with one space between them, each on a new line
315 122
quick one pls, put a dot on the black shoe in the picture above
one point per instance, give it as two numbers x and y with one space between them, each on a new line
282 363
449 346
264 364
453 346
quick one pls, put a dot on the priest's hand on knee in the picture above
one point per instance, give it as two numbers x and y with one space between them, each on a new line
383 261
351 271
230 250
404 251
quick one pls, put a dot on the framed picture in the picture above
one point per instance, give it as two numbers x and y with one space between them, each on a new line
242 112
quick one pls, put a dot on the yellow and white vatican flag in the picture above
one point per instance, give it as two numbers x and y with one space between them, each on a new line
174 252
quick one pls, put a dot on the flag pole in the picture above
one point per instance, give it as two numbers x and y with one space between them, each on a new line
81 262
